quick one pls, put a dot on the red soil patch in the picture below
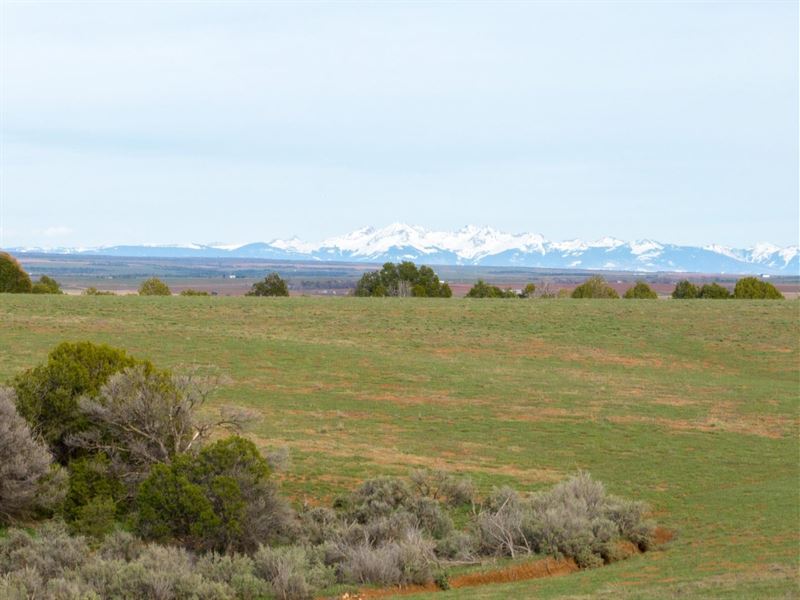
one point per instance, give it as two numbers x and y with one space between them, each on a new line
548 567
626 549
662 536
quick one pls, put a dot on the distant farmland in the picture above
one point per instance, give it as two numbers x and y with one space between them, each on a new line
691 406
233 277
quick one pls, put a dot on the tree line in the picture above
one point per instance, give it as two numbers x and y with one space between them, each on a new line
405 279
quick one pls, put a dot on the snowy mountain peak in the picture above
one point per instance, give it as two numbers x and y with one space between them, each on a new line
483 245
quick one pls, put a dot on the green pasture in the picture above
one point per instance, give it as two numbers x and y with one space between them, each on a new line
689 405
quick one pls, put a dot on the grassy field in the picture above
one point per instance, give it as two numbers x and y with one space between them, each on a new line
692 406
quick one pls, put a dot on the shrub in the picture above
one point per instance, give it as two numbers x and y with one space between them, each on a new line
46 285
402 279
500 525
51 552
529 291
191 292
293 573
96 518
481 289
713 291
154 287
47 395
158 572
170 506
319 524
217 500
93 291
393 563
272 285
752 288
430 517
91 480
28 481
456 545
120 545
237 571
594 287
640 291
576 519
13 278
141 417
441 485
364 564
685 290
379 497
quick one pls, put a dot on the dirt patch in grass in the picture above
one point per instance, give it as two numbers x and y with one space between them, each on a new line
343 446
662 536
548 567
759 425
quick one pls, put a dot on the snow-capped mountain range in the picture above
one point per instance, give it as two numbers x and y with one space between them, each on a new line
485 246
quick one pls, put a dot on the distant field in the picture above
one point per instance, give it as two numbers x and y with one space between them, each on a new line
234 277
692 406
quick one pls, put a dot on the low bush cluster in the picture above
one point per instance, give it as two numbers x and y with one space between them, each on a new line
93 291
273 285
388 532
575 519
640 291
154 287
481 289
595 287
46 285
747 288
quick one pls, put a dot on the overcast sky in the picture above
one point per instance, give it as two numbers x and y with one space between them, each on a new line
148 122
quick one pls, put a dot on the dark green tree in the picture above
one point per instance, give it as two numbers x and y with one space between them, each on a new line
47 395
595 287
714 291
640 291
402 279
46 285
685 290
154 287
91 480
272 285
172 507
481 289
752 288
13 278
211 501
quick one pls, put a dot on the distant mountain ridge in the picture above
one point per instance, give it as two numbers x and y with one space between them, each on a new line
483 246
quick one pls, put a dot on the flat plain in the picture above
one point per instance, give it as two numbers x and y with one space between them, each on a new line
692 406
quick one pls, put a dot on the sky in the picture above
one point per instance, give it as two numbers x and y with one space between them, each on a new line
177 122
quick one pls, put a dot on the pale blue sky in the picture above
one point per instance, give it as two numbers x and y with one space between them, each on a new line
129 122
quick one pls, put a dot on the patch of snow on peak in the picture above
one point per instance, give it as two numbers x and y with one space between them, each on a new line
293 244
570 246
648 247
789 253
607 242
724 250
763 251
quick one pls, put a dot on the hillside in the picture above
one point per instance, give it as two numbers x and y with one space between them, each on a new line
690 406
